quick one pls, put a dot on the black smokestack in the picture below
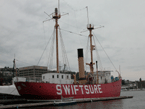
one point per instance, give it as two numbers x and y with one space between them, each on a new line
80 52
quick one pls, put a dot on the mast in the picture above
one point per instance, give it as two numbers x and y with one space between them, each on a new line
90 27
14 68
56 16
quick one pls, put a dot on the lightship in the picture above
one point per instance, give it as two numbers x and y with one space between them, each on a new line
56 85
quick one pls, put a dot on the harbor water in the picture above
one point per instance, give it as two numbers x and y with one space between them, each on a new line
137 102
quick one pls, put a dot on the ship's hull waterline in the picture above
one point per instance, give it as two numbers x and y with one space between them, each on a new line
49 91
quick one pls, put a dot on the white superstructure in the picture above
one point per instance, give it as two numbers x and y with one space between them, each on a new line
104 77
57 78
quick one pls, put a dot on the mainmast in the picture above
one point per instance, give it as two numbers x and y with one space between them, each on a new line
90 27
56 16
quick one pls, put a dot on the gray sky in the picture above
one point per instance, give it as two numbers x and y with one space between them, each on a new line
22 32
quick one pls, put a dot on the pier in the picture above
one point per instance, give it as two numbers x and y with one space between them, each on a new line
12 101
51 103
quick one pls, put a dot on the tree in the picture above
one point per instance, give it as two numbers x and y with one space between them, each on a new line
140 79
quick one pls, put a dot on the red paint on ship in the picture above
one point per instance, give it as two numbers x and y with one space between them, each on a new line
48 91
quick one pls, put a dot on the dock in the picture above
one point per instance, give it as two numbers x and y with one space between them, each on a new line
51 103
10 101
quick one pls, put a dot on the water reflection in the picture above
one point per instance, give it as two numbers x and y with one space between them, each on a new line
137 102
91 105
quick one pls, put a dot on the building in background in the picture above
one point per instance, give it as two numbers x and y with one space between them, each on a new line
32 72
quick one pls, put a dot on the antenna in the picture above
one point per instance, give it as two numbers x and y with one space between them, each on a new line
59 6
90 27
87 14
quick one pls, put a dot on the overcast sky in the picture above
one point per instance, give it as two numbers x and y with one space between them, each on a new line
23 33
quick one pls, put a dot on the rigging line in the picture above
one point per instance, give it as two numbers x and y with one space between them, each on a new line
99 59
106 53
63 54
44 36
50 57
52 50
73 32
44 49
97 53
63 58
72 8
64 49
77 24
44 31
77 28
86 54
68 24
80 9
22 61
68 5
75 17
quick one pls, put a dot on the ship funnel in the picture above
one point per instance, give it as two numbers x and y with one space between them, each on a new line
82 79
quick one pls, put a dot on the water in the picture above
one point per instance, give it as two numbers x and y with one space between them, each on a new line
137 102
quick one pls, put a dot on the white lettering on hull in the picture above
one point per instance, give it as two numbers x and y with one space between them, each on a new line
91 89
87 90
75 86
58 88
81 86
99 87
67 89
95 89
72 90
82 89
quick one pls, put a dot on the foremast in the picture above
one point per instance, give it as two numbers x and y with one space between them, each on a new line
57 16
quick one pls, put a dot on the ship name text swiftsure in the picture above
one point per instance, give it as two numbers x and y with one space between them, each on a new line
78 89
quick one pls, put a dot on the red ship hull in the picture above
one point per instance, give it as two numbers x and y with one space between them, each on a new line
49 91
